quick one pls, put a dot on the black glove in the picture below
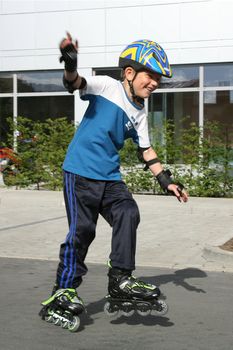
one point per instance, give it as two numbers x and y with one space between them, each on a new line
165 179
69 55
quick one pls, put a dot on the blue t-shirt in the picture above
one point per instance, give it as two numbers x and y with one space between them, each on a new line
109 119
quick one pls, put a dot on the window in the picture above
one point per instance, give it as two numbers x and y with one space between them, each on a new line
6 82
220 109
179 107
37 95
218 74
6 110
40 81
41 108
111 72
183 77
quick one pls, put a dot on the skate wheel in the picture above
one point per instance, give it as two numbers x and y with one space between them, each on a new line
144 312
161 307
127 309
64 325
109 311
73 325
57 321
127 313
49 319
143 309
47 315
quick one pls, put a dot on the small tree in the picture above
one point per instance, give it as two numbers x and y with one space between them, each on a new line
41 148
57 134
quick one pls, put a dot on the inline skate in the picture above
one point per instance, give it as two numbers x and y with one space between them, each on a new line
63 308
128 295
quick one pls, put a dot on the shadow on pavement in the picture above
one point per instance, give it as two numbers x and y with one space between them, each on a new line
179 278
97 307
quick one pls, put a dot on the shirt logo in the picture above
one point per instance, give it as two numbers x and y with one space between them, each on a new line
129 125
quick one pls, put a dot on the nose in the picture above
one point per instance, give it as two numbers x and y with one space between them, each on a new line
154 84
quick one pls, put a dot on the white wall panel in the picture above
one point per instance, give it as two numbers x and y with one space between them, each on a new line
92 60
50 61
191 31
200 21
67 5
122 3
198 55
14 6
161 23
17 63
123 25
84 4
224 21
51 5
50 28
88 26
17 32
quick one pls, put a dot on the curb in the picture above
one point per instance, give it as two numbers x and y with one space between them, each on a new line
218 254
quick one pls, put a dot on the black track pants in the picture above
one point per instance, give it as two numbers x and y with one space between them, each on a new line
85 199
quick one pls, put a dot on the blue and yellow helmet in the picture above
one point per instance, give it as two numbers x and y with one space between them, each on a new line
146 54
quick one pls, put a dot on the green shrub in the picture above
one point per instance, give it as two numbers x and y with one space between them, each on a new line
41 148
201 159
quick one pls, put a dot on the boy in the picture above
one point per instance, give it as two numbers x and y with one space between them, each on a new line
92 180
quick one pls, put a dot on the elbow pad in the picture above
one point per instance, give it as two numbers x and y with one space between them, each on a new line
149 162
140 153
69 84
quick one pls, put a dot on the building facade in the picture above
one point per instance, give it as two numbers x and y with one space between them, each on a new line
197 36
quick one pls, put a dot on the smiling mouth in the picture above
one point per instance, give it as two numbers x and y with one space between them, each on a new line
149 90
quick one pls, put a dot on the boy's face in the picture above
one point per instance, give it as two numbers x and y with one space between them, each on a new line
145 82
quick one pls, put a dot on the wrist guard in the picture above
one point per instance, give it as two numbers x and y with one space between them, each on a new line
69 56
69 84
150 162
165 179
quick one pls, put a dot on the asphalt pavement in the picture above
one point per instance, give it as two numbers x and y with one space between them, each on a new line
199 317
178 249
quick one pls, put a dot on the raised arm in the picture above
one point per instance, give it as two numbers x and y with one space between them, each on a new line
69 52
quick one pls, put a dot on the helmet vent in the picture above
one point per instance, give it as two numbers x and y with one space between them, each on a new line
155 56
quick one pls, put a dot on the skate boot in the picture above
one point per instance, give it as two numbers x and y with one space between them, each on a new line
63 308
128 295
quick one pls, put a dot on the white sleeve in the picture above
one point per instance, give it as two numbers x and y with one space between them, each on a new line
96 85
143 133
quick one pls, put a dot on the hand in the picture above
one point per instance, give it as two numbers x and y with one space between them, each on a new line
69 50
180 193
68 41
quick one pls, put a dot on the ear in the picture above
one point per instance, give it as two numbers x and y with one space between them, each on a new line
129 73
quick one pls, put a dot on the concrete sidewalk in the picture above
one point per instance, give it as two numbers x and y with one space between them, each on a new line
170 235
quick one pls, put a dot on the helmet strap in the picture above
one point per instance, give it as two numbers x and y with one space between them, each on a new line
136 99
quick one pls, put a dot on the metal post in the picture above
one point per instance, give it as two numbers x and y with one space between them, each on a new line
15 111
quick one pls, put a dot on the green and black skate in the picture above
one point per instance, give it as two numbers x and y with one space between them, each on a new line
63 308
128 295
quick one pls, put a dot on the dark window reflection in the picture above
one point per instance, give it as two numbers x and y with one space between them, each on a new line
6 110
218 106
111 72
180 108
218 75
40 81
6 82
185 76
41 108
